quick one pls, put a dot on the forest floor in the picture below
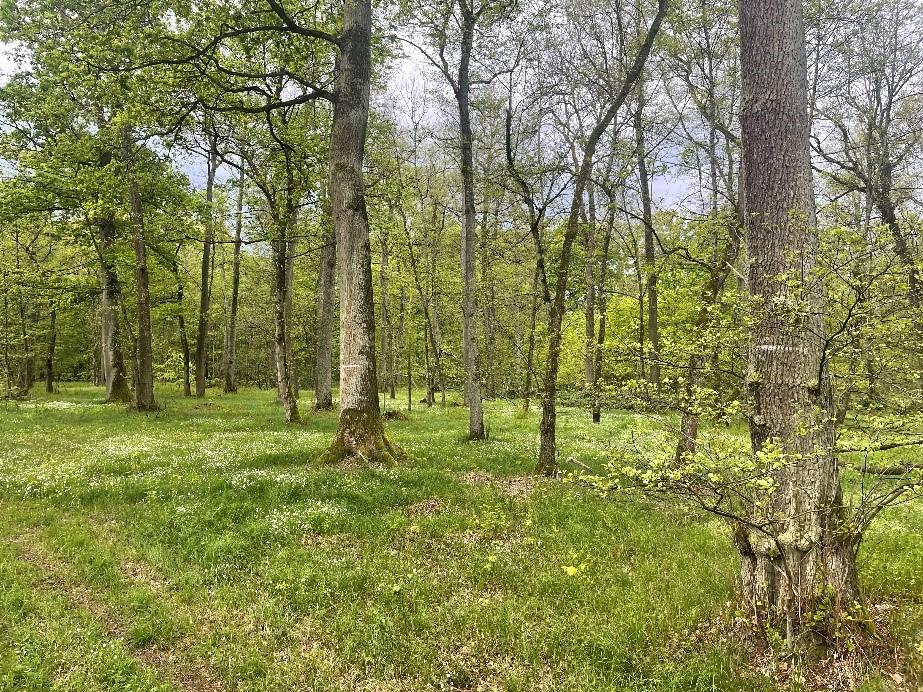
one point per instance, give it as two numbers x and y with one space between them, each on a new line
201 548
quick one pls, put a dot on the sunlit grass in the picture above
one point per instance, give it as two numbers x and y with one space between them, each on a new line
202 543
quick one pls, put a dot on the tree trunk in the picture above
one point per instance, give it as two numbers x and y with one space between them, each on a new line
530 352
117 390
361 432
282 351
650 260
547 454
602 307
323 358
49 357
469 314
230 335
387 337
590 301
144 378
810 553
205 288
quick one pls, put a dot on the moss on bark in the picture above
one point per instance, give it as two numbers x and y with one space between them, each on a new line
361 436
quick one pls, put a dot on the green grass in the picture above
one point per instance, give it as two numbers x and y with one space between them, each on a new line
201 547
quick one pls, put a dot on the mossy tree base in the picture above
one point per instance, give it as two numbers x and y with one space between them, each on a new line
361 437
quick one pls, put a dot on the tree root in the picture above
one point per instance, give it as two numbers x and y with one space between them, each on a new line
361 437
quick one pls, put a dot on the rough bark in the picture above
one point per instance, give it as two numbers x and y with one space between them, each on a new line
808 553
205 287
113 359
230 334
144 357
323 360
361 432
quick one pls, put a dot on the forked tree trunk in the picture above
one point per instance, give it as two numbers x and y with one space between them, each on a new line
113 358
323 359
361 431
205 287
230 335
144 377
811 553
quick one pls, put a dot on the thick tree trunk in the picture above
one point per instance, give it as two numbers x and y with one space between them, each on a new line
113 358
144 377
547 453
230 334
810 553
323 359
205 286
361 432
49 357
469 315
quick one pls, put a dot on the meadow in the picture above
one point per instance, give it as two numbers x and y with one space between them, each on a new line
202 548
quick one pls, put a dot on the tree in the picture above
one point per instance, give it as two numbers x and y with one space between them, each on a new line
361 430
810 554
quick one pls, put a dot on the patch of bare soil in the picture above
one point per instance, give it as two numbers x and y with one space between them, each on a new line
162 660
426 508
516 487
876 654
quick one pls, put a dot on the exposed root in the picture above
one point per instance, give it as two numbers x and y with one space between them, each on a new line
361 440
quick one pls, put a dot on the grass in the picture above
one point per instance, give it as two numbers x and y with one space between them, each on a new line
202 548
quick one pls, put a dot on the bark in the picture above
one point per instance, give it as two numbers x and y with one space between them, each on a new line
650 257
360 432
469 316
530 351
113 358
547 455
590 301
230 335
323 360
183 340
205 287
281 298
603 316
387 338
808 553
144 358
49 357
